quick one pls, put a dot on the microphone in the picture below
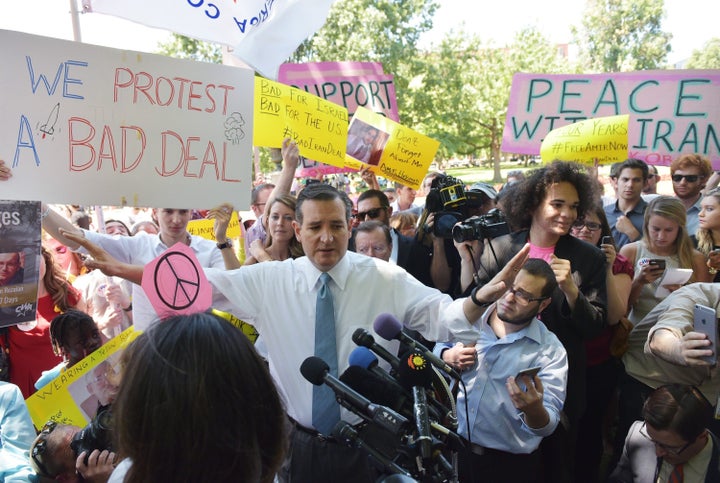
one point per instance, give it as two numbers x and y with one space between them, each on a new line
416 373
389 327
317 372
377 390
345 433
363 338
363 357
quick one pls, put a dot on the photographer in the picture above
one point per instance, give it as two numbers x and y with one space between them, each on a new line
447 203
65 453
544 207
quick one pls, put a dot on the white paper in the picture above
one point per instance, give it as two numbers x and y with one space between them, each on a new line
672 276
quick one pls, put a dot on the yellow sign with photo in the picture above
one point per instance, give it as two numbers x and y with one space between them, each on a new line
390 149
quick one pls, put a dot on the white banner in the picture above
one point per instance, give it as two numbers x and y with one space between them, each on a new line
262 33
91 125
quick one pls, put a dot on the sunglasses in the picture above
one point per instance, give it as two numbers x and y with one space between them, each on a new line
372 214
39 448
590 225
691 178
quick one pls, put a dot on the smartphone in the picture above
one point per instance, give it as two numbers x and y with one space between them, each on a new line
531 372
706 323
607 240
657 263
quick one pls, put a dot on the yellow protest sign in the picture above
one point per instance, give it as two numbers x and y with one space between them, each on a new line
602 139
391 150
318 126
204 228
75 395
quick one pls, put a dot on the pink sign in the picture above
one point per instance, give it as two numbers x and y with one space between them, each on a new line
348 84
671 112
175 283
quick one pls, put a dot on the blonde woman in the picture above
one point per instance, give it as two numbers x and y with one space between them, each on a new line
707 238
665 238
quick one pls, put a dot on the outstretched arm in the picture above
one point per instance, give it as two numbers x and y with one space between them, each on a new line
103 261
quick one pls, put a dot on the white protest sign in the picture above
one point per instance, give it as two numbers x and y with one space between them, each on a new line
90 125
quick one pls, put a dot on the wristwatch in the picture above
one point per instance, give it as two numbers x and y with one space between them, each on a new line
226 244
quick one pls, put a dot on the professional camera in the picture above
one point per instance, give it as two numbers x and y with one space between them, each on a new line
490 225
446 199
96 435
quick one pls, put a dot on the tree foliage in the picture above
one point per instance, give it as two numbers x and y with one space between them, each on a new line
182 47
385 31
462 96
623 35
706 58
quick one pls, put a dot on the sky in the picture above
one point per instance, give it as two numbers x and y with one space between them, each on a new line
690 22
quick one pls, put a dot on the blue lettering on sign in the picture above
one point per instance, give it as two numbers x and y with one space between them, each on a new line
211 10
262 15
63 71
25 140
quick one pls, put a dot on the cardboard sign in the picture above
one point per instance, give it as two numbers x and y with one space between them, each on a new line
20 241
175 283
73 397
91 125
603 140
318 126
671 112
397 153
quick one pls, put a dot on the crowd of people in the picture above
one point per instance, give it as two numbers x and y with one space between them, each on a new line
577 361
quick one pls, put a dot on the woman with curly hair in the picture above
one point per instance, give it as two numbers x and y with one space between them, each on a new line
543 208
30 349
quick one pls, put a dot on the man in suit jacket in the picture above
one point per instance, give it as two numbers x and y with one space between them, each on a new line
673 442
406 252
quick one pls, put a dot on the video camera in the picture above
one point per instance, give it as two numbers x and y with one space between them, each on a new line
490 225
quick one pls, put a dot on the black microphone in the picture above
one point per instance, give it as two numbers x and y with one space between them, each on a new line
346 434
317 372
415 373
389 327
369 385
363 338
363 357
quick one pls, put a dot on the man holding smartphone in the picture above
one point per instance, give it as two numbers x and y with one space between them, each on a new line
511 403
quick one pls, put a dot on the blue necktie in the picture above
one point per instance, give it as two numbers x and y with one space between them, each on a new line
325 409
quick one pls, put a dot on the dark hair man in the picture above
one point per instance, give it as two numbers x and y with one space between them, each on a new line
626 215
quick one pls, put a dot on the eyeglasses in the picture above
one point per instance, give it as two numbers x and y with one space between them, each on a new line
372 214
673 450
39 448
590 225
522 297
691 178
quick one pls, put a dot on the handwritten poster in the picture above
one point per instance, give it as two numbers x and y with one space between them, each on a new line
75 395
670 112
175 283
91 125
604 139
318 126
397 153
204 228
19 261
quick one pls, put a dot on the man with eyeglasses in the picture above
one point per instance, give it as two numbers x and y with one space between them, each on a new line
509 415
673 443
11 270
406 252
689 173
627 214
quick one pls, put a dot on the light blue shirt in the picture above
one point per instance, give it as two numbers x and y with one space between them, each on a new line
16 436
692 222
494 420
